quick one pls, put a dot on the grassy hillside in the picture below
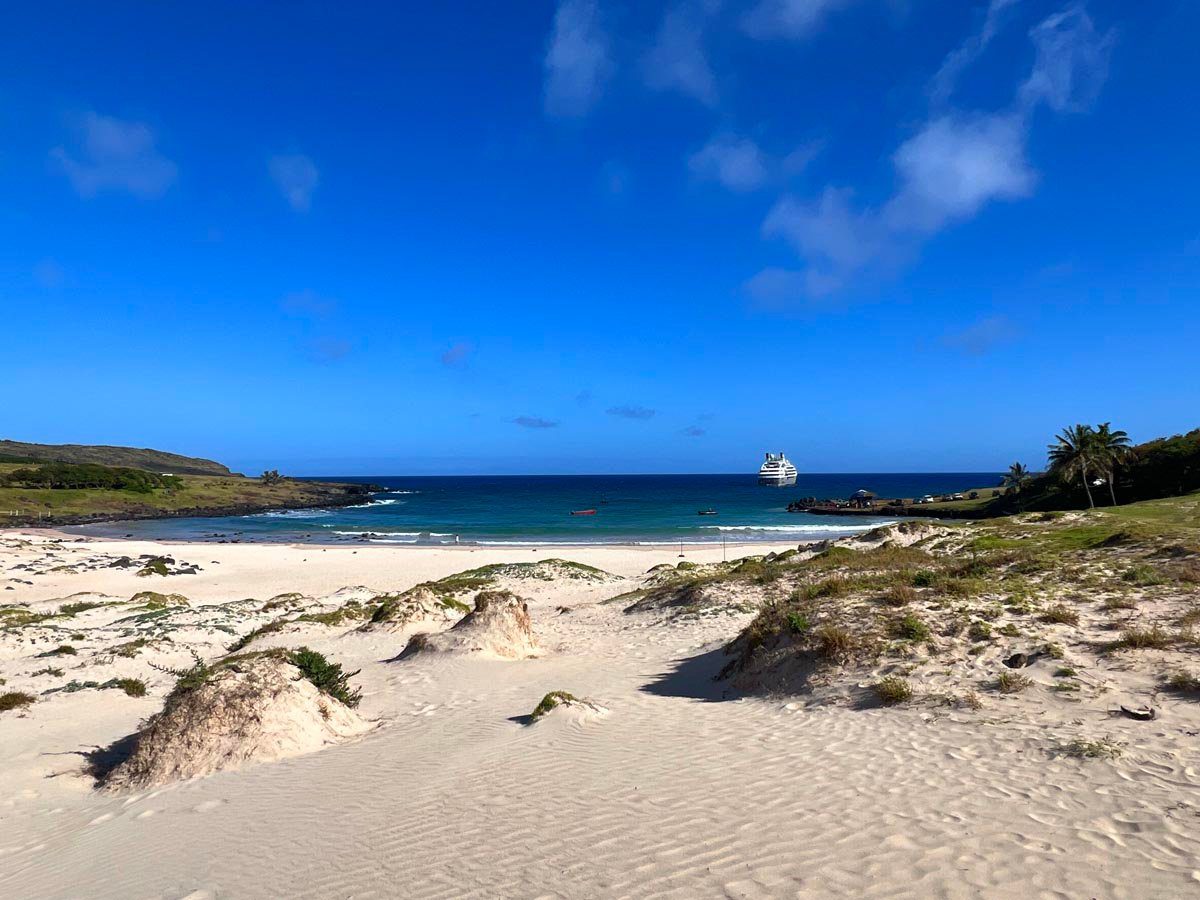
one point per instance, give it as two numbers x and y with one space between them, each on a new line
131 457
198 495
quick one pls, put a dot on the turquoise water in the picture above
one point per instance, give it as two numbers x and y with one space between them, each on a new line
535 510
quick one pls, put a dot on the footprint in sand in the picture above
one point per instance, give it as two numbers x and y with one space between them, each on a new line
145 814
207 806
101 819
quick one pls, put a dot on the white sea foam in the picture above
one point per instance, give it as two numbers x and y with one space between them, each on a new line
797 529
291 514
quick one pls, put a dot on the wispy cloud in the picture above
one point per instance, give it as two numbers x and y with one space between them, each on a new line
577 60
49 274
693 431
630 412
982 336
330 349
458 354
308 303
115 155
947 172
534 422
735 162
297 177
677 61
584 397
788 18
1071 64
739 164
943 83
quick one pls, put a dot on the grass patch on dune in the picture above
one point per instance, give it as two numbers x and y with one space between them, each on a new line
1104 748
1154 638
1060 614
261 631
15 700
892 690
1012 683
909 627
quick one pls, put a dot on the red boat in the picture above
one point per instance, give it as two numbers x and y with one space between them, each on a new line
583 512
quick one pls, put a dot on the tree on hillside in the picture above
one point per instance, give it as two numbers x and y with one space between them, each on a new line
1074 456
1111 449
271 476
1016 478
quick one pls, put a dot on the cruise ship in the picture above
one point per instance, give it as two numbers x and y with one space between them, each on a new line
777 471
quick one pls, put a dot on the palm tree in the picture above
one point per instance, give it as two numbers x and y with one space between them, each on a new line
1111 448
1016 478
1074 454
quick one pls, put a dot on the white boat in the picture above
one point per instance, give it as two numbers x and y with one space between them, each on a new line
777 471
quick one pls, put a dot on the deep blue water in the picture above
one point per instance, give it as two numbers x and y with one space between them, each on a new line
536 510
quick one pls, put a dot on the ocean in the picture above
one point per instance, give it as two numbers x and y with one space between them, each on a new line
536 510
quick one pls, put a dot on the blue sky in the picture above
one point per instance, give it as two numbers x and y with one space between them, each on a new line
592 236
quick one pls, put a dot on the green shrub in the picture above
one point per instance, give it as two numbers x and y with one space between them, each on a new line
910 627
326 676
1143 575
154 567
73 609
798 622
924 578
980 631
549 702
134 687
892 690
55 673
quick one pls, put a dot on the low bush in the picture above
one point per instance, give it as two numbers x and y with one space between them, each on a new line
15 700
326 676
909 627
549 702
892 690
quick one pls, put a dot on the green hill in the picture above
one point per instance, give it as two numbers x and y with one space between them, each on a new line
130 457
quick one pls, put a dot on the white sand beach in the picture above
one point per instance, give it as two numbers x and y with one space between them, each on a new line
675 787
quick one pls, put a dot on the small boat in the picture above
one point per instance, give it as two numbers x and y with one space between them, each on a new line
583 512
706 512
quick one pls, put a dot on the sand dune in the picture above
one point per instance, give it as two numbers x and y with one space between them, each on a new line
684 788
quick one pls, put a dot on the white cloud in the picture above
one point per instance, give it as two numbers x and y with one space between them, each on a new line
677 61
630 412
943 83
577 60
735 162
534 422
49 274
954 166
788 18
982 336
1071 64
457 354
297 177
115 155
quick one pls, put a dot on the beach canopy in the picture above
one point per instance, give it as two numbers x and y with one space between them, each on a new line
862 495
